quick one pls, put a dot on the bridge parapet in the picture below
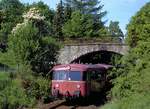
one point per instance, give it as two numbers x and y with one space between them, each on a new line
71 52
96 43
71 41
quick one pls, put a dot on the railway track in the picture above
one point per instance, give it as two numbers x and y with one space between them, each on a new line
58 104
63 104
53 105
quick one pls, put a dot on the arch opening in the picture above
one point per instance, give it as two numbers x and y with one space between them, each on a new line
104 57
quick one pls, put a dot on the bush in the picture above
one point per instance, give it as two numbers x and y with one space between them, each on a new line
136 101
12 95
4 80
37 87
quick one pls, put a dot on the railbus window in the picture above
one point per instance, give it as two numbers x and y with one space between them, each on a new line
67 75
86 76
75 76
59 75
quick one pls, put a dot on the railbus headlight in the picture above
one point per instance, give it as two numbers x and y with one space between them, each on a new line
56 85
78 86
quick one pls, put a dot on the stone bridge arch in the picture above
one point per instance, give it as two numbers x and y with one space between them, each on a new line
71 52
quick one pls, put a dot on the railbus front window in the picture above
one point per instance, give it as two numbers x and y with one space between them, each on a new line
67 75
75 76
59 75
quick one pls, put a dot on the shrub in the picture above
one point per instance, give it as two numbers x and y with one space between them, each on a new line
37 87
136 101
12 94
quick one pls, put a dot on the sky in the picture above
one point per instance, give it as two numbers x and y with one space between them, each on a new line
117 10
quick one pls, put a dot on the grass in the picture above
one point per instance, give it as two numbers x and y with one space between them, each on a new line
12 94
4 75
136 101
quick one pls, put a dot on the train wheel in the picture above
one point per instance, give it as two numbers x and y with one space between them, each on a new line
56 94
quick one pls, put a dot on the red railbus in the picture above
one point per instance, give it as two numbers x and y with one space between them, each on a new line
78 80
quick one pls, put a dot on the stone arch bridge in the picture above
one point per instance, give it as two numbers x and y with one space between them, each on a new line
71 52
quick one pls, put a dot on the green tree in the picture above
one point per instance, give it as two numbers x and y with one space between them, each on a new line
132 82
92 8
86 6
23 43
81 25
67 12
44 10
74 27
137 61
29 46
45 28
12 94
115 30
139 24
103 32
12 11
58 21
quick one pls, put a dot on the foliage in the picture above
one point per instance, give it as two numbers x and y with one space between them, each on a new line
46 56
37 87
12 94
87 7
104 32
136 101
31 47
131 85
78 26
90 19
58 20
11 11
32 51
73 28
22 90
27 44
139 27
137 65
23 43
35 16
133 77
115 30
67 12
94 6
44 10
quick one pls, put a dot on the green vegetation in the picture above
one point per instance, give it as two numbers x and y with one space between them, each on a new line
58 21
12 94
133 102
78 26
22 90
30 33
37 87
138 28
131 83
115 30
11 11
30 51
28 44
82 22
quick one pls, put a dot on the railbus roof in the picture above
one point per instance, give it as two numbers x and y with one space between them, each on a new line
82 67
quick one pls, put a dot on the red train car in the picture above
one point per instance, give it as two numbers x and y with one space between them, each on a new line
76 80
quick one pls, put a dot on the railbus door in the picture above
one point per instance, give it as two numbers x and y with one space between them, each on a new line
97 80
